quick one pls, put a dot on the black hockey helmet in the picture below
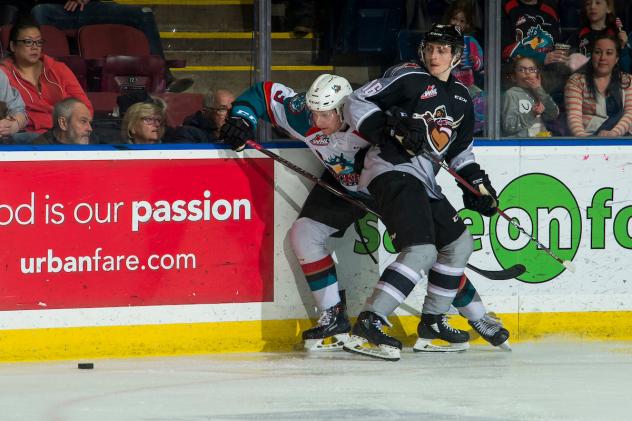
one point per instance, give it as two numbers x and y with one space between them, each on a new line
444 34
447 35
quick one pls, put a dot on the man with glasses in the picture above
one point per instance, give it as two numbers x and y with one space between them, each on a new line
204 125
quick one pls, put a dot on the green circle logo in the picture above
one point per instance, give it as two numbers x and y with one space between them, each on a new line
544 207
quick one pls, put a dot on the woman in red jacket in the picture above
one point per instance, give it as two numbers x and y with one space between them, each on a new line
41 80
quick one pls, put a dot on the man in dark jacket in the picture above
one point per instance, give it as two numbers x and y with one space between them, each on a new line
71 124
204 125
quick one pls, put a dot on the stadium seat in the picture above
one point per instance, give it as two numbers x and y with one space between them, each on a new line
407 44
119 59
370 27
181 105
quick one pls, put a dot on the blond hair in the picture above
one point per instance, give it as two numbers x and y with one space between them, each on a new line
140 110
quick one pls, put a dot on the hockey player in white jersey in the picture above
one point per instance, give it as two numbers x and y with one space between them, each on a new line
315 118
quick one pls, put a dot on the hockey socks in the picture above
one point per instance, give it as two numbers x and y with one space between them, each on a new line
323 282
395 284
470 306
468 302
443 285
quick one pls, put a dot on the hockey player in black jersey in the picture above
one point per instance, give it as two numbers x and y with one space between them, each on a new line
314 117
414 110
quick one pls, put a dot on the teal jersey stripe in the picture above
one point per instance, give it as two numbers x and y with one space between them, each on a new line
318 284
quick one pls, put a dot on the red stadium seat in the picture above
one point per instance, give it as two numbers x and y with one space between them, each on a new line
180 106
119 59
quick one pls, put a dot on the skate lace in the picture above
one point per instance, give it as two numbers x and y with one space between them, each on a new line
377 323
487 326
446 325
326 317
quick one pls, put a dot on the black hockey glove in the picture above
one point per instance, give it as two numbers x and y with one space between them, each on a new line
485 204
236 131
409 132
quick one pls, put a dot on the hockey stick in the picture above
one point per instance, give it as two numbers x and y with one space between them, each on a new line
310 176
566 263
510 273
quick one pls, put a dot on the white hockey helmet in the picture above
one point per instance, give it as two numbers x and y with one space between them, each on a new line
328 92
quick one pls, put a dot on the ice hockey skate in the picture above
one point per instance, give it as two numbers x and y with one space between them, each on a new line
331 331
436 335
491 329
368 338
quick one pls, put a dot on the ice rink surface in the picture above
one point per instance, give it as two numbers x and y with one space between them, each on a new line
537 381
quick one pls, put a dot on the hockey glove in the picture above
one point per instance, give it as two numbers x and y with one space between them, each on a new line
409 132
487 202
236 131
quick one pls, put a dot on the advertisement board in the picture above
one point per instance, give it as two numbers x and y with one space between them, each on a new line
118 233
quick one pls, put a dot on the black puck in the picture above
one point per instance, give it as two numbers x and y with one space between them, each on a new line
85 366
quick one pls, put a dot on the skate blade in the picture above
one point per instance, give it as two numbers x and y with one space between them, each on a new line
426 345
332 343
359 345
505 346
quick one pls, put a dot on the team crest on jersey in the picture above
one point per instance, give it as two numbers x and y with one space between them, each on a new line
342 169
439 127
296 105
431 91
319 140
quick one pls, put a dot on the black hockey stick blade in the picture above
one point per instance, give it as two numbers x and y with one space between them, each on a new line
500 275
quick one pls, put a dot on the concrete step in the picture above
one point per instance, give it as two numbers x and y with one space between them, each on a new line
245 41
215 17
240 58
240 80
299 79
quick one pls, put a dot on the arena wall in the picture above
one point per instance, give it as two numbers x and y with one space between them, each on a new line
115 253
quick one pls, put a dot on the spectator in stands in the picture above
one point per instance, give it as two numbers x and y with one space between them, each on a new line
599 19
531 28
40 80
526 106
73 14
144 122
599 97
203 126
216 107
460 14
71 124
12 117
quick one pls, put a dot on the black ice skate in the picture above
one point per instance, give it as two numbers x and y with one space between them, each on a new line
368 338
330 332
491 329
435 327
